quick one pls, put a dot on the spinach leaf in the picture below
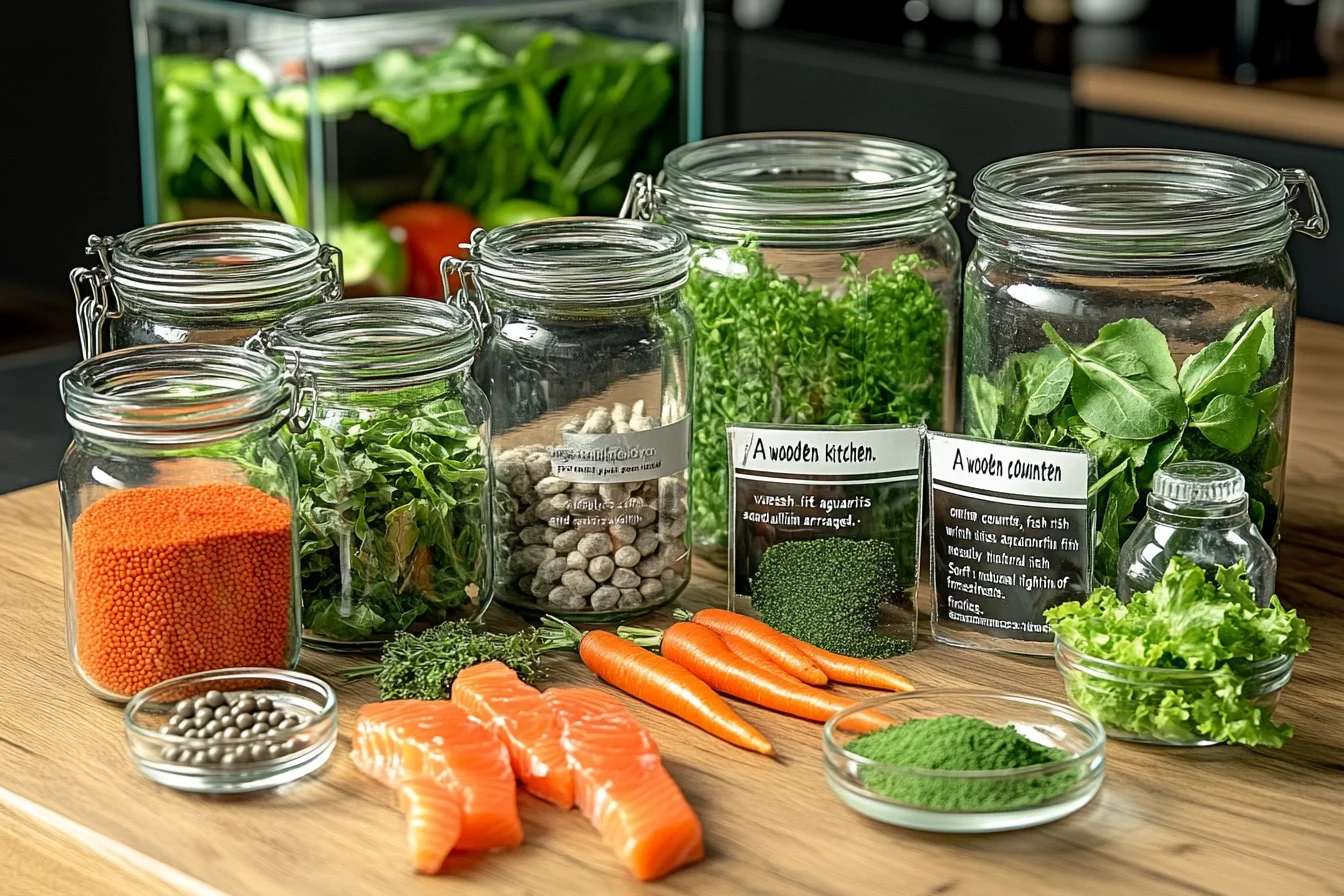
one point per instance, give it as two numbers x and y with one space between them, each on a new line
1122 342
982 406
1228 367
1129 405
1045 377
1229 421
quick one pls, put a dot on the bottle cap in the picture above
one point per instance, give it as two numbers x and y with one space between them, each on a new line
1202 482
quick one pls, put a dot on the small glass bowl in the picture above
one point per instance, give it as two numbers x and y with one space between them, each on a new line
1117 694
307 695
1048 723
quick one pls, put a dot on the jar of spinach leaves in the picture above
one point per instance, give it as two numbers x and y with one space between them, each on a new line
588 369
1138 303
392 472
213 280
824 284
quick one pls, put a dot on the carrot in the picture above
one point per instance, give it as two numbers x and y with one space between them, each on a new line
703 652
657 680
754 656
852 670
778 647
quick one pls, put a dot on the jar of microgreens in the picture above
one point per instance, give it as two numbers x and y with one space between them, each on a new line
588 369
1138 303
213 280
178 499
392 473
824 285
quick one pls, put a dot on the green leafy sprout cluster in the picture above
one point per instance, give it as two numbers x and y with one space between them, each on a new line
1186 622
393 494
1122 398
774 349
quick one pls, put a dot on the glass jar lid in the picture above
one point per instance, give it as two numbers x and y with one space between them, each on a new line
178 394
580 260
1198 483
203 269
1140 208
375 343
798 187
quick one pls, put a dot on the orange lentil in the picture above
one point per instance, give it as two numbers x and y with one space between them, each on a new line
170 581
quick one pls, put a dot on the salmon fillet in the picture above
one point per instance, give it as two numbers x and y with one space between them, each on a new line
433 822
401 739
621 786
493 694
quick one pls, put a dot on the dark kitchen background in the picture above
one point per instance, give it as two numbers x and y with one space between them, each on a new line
978 80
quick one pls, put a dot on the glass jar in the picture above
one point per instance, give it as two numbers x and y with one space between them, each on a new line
177 500
824 285
392 474
1198 510
214 280
1138 303
588 369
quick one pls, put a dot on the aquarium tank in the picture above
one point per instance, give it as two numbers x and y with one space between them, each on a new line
392 129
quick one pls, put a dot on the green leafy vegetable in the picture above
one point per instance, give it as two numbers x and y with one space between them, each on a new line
396 493
1187 622
424 666
773 349
1123 400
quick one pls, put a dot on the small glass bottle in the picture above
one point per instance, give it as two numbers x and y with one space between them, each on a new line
1199 510
214 280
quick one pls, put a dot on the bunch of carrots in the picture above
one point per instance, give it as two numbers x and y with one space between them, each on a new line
725 652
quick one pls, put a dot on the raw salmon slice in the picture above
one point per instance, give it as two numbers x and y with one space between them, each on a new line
621 786
403 739
433 822
515 712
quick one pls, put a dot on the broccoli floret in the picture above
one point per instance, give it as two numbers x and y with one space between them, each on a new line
830 592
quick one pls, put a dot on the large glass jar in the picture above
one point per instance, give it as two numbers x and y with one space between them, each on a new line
1138 303
824 285
392 473
214 280
588 369
177 500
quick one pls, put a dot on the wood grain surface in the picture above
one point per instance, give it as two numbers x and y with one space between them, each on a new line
75 816
1191 90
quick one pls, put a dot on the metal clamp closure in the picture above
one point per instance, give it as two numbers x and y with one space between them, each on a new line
468 295
302 399
641 199
1318 224
333 272
95 298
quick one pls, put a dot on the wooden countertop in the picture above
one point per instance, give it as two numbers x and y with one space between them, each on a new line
1191 90
76 817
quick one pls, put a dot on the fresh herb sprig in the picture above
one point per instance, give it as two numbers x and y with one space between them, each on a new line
424 666
774 349
398 491
1122 398
1186 622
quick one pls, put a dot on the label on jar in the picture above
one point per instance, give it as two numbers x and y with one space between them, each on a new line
1012 533
623 457
797 483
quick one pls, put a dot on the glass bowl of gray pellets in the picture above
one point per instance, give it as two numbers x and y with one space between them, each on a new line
232 730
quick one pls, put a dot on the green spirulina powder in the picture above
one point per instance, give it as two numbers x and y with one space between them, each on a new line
966 744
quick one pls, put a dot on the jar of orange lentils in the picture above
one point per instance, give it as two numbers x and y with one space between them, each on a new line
177 500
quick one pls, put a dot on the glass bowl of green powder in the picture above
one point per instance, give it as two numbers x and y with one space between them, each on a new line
965 761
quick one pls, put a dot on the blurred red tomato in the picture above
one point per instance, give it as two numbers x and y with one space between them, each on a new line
430 231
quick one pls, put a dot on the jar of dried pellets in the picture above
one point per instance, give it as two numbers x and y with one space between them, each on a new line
587 369
177 500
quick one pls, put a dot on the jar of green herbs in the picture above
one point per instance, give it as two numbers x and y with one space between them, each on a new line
1138 303
392 472
824 285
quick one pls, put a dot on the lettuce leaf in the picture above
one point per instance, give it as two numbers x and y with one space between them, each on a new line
1188 621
